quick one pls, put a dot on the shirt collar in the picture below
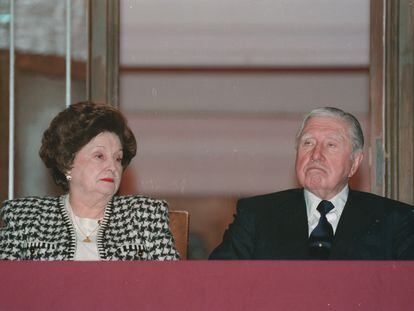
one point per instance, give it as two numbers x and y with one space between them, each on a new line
339 200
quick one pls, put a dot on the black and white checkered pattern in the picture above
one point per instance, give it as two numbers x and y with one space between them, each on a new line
133 228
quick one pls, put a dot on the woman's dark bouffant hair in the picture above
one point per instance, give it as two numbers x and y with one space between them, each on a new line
73 128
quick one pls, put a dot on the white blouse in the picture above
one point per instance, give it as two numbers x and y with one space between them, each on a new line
86 232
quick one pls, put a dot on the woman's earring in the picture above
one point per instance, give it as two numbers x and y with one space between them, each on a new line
68 177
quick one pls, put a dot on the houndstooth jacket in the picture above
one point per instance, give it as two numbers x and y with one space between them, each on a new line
40 228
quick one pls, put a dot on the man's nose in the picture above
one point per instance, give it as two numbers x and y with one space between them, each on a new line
316 153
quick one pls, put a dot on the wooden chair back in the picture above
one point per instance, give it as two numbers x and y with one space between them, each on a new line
179 226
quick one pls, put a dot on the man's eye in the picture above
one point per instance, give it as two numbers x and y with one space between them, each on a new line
331 145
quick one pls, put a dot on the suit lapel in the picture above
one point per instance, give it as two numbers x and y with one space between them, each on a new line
290 231
355 219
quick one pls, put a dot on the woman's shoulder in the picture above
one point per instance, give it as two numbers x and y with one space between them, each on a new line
138 199
33 200
28 203
140 203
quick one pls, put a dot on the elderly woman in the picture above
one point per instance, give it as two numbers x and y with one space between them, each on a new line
86 147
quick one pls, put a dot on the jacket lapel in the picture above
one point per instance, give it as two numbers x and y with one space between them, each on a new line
290 230
355 219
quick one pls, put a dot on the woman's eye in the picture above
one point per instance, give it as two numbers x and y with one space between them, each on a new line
99 156
119 159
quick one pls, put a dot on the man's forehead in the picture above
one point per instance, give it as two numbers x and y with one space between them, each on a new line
329 134
326 122
325 125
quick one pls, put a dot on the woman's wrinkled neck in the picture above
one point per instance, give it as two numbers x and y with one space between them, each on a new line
88 206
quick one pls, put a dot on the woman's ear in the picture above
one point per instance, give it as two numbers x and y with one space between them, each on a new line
68 176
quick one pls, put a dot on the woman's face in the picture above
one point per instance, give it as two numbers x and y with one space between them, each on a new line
97 168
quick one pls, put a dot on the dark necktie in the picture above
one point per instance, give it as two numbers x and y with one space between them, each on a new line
320 240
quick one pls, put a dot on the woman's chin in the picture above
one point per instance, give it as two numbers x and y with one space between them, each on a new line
108 189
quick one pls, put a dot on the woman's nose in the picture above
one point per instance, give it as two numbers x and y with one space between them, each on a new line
111 165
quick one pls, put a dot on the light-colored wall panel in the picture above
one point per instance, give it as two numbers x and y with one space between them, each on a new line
227 134
244 32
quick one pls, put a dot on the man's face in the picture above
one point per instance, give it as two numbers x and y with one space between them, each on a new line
324 160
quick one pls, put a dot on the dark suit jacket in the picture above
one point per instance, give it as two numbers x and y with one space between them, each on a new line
275 226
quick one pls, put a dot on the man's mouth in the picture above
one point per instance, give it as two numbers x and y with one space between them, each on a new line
108 179
315 168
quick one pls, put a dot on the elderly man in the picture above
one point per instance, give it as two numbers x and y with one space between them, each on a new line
324 219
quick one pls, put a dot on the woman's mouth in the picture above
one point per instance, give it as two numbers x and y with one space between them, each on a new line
108 179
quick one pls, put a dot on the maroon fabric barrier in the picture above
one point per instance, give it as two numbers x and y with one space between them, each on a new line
204 285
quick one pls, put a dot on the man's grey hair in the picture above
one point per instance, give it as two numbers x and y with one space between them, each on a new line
355 131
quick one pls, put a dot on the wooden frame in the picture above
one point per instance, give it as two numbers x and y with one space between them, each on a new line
399 100
179 226
103 53
4 123
376 154
392 99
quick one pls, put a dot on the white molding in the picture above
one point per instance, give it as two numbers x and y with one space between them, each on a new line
260 93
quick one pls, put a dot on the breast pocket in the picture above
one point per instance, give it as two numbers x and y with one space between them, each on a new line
38 250
132 252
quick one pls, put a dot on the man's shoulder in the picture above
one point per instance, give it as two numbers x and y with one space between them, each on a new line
284 194
378 201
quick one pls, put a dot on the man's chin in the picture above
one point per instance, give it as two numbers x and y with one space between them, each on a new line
315 183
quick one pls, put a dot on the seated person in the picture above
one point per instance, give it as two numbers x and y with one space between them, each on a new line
324 219
87 147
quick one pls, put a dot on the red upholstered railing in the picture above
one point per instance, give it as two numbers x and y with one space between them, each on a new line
204 285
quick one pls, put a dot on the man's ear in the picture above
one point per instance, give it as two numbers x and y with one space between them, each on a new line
356 162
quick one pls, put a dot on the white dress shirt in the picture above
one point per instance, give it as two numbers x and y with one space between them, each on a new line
312 202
